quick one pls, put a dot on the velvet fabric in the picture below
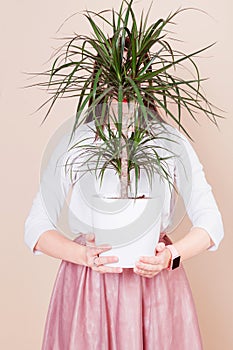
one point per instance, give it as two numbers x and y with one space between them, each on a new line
93 311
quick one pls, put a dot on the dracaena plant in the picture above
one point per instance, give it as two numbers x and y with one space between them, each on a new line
133 62
134 148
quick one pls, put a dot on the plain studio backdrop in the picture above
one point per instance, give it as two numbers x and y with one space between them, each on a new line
28 31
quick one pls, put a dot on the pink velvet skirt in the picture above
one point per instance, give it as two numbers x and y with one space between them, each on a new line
93 311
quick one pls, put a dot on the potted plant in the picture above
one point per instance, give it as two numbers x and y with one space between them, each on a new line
122 86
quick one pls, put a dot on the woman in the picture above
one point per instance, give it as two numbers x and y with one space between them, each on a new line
99 307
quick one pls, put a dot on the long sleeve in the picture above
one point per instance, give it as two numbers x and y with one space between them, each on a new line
56 181
197 193
49 200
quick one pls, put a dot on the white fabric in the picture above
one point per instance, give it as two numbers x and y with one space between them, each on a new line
185 169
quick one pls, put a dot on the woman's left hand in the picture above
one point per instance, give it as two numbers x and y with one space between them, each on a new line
150 266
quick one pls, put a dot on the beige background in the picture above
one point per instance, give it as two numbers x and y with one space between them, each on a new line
27 29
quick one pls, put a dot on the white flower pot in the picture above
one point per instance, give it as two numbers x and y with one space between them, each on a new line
130 226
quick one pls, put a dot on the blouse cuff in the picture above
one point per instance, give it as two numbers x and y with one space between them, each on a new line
214 227
32 236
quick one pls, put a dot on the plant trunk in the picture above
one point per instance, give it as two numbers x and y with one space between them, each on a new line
124 170
127 111
124 182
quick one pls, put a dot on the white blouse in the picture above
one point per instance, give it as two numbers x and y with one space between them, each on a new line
57 190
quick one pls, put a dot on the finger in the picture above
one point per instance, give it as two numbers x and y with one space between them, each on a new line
148 267
104 246
108 269
90 239
93 249
107 260
104 260
90 242
99 260
100 249
154 260
160 247
93 255
144 273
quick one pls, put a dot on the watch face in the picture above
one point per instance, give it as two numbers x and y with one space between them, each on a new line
176 262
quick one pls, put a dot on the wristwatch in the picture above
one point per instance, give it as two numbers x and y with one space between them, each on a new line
175 258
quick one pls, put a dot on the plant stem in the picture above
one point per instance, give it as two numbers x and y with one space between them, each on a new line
124 158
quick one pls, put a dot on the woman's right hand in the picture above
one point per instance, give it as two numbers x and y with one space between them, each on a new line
96 262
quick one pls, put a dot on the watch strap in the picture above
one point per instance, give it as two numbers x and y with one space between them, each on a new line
175 257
